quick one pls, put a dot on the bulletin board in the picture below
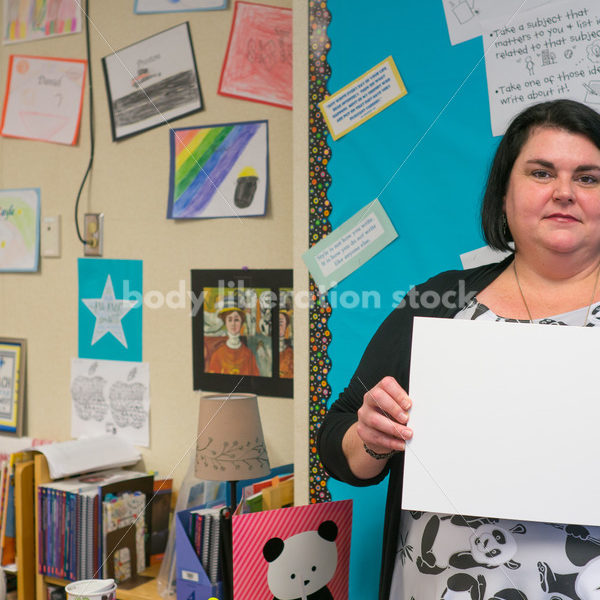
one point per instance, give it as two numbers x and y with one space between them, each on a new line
426 158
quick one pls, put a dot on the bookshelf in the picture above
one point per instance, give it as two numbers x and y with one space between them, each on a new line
145 591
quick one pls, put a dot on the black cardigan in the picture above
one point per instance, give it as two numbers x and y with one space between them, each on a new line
388 353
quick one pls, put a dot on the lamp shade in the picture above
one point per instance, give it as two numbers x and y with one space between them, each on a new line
230 444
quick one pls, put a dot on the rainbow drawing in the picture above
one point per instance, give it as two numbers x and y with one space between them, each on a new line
218 171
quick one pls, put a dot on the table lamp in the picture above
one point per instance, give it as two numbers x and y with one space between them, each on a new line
230 444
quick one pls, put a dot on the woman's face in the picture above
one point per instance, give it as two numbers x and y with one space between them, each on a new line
282 325
553 196
233 322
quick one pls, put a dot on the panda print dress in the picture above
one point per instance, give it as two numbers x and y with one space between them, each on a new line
455 557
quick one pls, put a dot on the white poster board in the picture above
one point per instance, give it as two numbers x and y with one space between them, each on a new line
512 408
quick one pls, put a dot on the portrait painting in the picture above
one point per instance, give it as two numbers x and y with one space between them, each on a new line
242 331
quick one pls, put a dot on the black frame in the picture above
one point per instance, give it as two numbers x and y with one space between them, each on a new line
273 279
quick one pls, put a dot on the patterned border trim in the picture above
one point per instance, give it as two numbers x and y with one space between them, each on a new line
319 227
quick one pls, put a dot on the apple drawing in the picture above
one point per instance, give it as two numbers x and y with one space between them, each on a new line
127 402
88 396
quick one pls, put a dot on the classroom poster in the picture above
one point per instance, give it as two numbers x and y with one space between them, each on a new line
19 229
110 397
110 309
548 53
26 20
44 98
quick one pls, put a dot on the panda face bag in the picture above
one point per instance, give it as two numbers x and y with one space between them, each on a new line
296 553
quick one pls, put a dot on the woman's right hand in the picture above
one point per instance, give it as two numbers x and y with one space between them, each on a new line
383 417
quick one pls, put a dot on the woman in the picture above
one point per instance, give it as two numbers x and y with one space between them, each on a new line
543 193
233 357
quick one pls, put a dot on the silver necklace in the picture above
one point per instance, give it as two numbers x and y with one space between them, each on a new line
587 314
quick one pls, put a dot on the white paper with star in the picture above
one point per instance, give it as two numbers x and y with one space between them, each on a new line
109 396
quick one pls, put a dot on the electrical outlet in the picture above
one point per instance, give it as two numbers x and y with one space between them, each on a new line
50 241
93 234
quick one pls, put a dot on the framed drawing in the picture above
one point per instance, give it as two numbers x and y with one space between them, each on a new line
12 385
242 331
152 82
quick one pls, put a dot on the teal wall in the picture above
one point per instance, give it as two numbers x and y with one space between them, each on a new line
439 137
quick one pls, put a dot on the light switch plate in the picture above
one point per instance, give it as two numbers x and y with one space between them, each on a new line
50 238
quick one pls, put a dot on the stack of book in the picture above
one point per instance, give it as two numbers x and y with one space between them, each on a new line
84 524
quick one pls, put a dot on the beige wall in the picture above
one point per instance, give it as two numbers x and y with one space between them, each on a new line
129 184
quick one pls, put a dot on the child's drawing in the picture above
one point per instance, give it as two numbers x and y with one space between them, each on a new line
110 397
219 171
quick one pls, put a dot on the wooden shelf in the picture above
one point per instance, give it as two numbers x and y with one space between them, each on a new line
25 532
145 591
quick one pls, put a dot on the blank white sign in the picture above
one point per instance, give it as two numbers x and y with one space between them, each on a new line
506 420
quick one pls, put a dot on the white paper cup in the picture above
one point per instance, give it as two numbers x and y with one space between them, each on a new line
92 589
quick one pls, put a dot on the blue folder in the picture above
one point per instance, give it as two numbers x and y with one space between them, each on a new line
192 581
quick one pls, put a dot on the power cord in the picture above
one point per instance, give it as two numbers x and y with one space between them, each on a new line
91 103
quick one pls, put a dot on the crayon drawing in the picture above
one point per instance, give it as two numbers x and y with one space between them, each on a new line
258 63
19 229
219 171
44 97
152 82
26 20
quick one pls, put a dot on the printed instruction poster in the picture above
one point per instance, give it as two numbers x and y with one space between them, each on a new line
350 245
363 98
547 53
